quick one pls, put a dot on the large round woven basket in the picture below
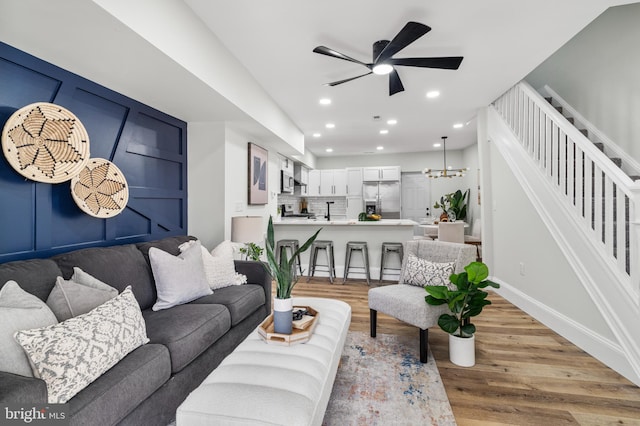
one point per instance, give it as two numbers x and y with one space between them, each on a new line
45 142
100 189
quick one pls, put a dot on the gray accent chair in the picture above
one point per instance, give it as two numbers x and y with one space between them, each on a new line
406 302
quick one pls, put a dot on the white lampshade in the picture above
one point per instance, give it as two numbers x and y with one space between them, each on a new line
247 229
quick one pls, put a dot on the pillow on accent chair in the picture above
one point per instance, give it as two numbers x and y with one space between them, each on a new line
79 295
421 272
219 266
72 354
19 310
179 279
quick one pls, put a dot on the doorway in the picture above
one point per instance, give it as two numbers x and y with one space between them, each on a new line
416 198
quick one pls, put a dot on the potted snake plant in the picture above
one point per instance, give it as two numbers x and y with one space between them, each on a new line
283 272
465 299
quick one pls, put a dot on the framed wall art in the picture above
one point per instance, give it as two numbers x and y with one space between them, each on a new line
258 159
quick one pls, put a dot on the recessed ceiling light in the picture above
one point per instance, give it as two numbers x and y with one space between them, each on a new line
436 145
384 131
380 148
433 94
458 125
316 135
392 122
329 149
325 101
329 125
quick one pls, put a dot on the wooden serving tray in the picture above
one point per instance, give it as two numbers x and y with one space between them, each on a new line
265 330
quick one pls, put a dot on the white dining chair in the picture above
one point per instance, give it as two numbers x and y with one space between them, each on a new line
452 232
476 237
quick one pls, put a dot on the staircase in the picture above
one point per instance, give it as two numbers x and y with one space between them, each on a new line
590 205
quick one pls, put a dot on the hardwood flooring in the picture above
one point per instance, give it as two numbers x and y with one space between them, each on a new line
525 374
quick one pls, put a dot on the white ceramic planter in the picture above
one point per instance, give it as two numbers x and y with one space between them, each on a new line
283 315
462 350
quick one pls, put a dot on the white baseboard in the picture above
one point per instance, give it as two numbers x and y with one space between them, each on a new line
608 352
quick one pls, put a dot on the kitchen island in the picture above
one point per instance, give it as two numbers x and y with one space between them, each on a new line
342 231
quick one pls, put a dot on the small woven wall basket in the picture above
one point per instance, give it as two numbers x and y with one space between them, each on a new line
100 189
45 142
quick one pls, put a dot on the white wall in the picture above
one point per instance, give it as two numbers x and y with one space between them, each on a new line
597 73
206 181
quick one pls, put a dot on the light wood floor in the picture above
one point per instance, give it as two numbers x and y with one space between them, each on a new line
525 374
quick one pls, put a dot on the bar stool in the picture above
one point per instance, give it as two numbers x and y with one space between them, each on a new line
290 245
327 246
391 248
360 246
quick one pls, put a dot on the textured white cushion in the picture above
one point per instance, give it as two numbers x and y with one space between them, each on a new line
70 355
421 272
19 310
78 295
219 267
179 279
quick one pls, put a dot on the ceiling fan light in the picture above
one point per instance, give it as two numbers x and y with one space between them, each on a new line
382 69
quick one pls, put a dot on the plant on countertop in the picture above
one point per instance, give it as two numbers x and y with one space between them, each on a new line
465 302
284 272
455 202
252 251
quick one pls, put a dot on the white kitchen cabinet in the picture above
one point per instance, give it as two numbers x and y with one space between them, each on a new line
313 186
354 182
355 206
286 165
333 182
386 173
301 175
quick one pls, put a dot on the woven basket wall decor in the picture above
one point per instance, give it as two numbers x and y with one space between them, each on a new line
100 189
45 142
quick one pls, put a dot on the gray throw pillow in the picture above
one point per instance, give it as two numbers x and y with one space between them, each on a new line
78 295
421 272
179 279
19 310
70 355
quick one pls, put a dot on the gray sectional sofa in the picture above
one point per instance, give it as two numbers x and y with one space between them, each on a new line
186 343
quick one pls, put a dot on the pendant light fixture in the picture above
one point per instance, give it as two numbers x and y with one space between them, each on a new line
446 171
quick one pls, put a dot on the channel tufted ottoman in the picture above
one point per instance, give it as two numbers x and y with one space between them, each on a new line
262 383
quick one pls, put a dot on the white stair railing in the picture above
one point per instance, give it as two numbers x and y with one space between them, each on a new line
605 201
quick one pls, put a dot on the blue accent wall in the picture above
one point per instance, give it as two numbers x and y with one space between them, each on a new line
40 219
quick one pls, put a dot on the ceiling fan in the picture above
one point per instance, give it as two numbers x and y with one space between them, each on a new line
383 63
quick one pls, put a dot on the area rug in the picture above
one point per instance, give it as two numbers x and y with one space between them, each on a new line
381 381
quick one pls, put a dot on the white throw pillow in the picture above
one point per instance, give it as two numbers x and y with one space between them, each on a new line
19 310
219 266
179 279
70 355
79 295
421 272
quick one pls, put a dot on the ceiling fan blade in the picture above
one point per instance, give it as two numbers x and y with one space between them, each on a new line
446 62
335 83
323 50
407 35
395 85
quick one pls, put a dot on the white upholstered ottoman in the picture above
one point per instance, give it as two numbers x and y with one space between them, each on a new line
261 383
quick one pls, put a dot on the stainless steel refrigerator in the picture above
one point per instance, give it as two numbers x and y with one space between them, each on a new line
382 198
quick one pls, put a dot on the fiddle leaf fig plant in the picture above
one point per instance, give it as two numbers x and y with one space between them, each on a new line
284 270
454 202
465 301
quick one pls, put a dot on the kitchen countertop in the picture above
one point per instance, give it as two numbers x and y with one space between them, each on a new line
345 222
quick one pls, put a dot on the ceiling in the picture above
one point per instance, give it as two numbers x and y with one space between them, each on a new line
501 41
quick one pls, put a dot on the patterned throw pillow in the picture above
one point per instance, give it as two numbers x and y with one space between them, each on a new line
79 295
218 265
421 272
70 355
